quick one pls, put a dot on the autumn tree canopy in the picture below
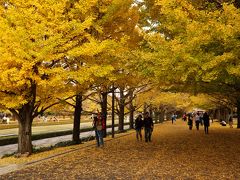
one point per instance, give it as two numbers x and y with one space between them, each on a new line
193 47
37 39
54 50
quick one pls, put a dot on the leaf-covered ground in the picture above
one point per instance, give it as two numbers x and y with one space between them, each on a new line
174 153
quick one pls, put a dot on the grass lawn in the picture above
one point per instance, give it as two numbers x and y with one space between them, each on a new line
51 121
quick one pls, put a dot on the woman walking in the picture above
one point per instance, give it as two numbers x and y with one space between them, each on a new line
98 125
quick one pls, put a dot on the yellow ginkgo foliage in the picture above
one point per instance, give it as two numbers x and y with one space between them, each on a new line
37 39
194 47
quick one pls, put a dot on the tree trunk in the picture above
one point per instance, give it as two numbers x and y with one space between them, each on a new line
161 118
25 118
156 116
223 114
238 113
218 115
25 136
161 114
77 119
227 115
121 111
113 114
104 111
214 114
145 108
132 109
150 111
131 118
169 115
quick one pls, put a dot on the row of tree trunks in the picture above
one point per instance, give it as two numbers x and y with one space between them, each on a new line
222 114
159 116
25 119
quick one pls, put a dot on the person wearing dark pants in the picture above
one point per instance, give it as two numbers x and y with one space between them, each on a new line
190 122
148 134
174 118
197 120
148 127
138 127
230 121
98 125
206 122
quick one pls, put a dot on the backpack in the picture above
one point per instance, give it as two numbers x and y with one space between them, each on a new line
103 124
99 125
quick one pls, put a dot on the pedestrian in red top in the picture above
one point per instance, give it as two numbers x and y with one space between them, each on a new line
98 125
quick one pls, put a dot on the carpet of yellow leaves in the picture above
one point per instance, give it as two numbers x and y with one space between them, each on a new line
174 153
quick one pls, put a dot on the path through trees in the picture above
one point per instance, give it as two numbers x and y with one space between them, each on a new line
175 153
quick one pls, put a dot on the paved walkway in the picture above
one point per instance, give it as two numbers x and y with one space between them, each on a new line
174 153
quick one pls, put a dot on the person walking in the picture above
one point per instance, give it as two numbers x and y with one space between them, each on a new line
138 126
148 127
206 122
197 120
184 117
190 121
201 119
98 125
174 118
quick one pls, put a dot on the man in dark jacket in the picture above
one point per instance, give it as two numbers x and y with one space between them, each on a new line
148 127
206 122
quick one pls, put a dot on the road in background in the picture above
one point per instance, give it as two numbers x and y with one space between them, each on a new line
47 129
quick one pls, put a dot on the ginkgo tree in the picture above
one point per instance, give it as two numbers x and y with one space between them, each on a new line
194 48
119 19
35 38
